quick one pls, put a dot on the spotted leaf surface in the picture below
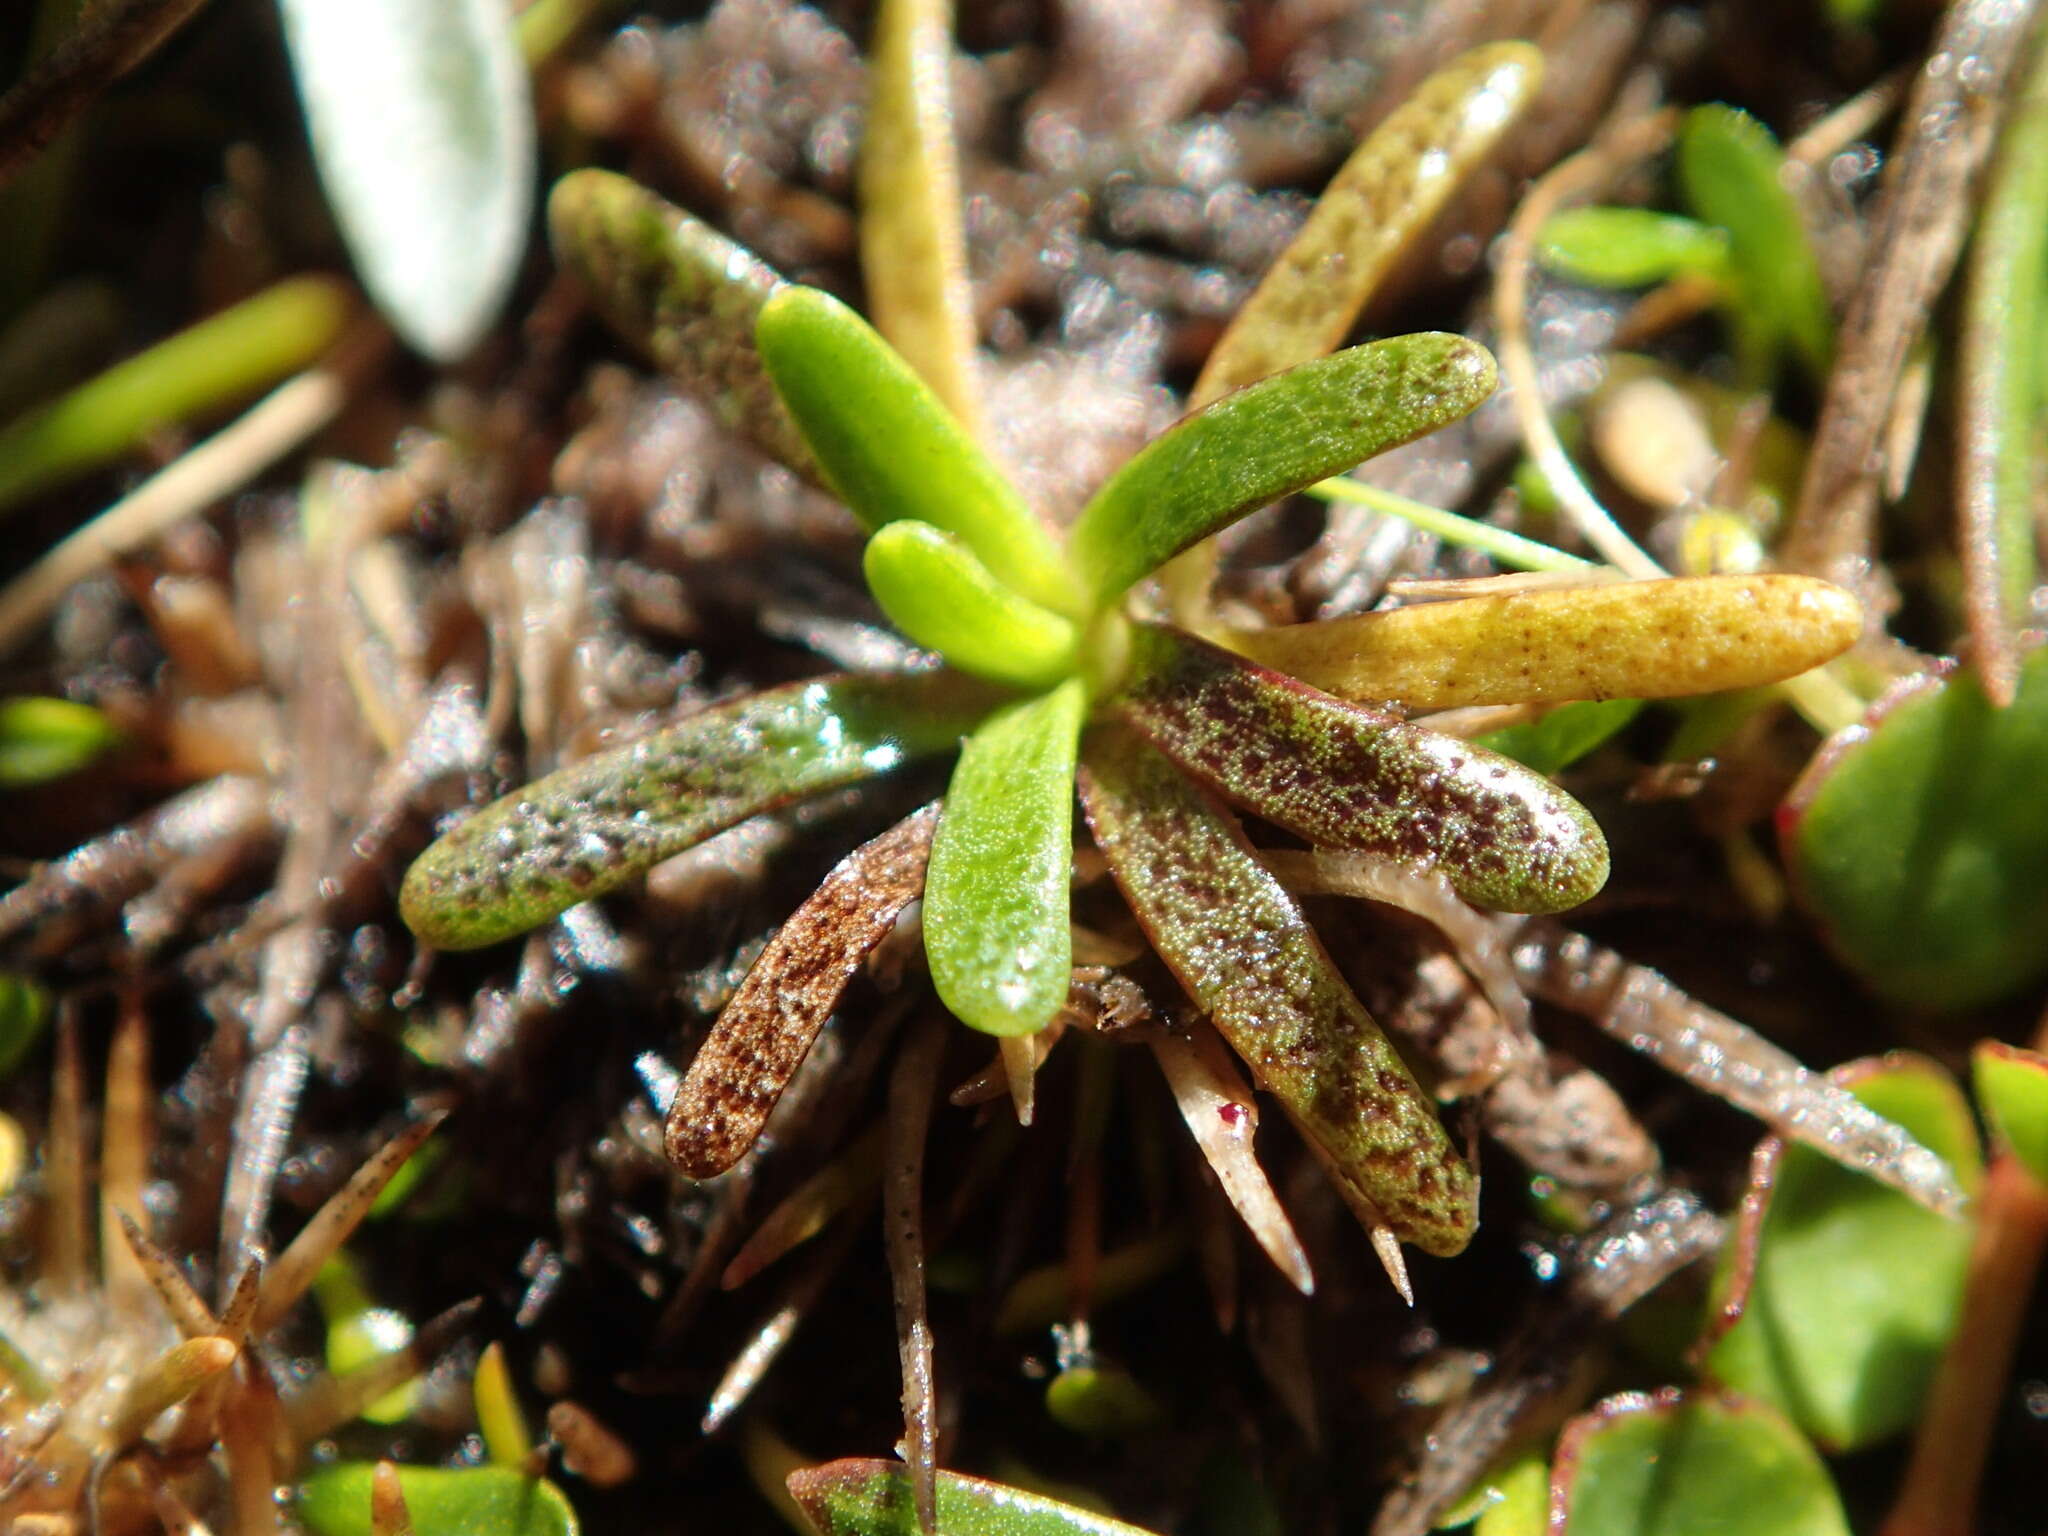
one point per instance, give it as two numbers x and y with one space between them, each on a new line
1240 946
592 826
765 1032
681 293
1344 776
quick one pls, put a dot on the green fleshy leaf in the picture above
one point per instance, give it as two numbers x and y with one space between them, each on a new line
1552 744
872 1498
43 739
594 825
422 131
201 371
1731 167
470 1501
1268 440
933 589
1383 198
681 293
1103 1401
1856 1286
995 897
359 1330
1630 247
2012 1089
1240 946
892 450
1954 913
24 1012
1514 1501
1697 1466
1345 776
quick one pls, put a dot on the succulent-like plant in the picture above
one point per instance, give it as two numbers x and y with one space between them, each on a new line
1053 679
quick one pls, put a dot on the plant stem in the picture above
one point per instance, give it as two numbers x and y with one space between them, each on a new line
1939 1496
1498 544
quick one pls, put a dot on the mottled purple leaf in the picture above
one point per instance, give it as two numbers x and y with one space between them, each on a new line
1243 950
1345 776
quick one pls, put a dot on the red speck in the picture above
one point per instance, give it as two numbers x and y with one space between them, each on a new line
1233 1115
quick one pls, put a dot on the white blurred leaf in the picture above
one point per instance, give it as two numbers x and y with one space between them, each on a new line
423 131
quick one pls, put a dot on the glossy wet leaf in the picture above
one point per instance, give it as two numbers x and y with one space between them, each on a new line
764 1033
24 1014
872 1498
1239 944
682 294
358 1330
1956 913
1564 735
995 897
933 588
1268 440
1731 169
422 132
1611 640
1630 247
592 826
2012 1089
43 739
1856 1287
891 449
471 1501
1346 777
1385 195
1700 1465
507 1441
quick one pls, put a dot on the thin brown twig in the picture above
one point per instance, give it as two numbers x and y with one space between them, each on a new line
107 44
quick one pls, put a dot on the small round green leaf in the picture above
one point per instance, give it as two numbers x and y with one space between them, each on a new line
1698 1465
1101 1401
2012 1090
872 1498
1557 740
890 447
995 897
1856 1287
933 588
1630 247
470 1501
1921 843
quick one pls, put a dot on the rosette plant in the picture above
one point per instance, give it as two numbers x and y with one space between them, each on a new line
1047 677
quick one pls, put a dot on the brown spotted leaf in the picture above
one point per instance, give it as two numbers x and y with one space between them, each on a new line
767 1029
1345 776
1243 950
